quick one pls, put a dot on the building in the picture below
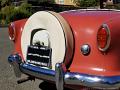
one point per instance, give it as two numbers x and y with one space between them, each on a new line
109 2
65 2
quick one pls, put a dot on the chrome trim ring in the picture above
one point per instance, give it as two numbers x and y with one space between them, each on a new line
85 49
108 38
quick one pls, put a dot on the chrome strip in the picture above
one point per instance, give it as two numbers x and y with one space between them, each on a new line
38 72
114 10
99 82
69 78
15 60
59 76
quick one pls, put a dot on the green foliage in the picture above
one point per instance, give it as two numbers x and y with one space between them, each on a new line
12 13
117 6
25 6
48 1
110 7
19 13
5 2
86 3
5 12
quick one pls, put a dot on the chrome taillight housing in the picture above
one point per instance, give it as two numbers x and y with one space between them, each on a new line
12 32
103 37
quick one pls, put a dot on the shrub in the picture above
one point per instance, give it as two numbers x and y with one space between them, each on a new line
12 13
117 6
19 12
86 3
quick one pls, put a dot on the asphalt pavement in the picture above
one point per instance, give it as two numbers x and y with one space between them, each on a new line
8 81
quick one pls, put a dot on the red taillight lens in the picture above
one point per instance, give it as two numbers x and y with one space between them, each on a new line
103 38
11 31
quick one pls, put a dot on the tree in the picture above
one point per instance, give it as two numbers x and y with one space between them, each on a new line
5 2
86 3
48 1
101 3
11 13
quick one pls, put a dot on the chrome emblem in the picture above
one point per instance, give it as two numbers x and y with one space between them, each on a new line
85 49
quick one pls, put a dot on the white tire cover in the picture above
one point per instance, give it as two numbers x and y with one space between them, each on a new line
56 29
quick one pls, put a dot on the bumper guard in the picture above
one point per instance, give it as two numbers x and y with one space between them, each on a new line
61 77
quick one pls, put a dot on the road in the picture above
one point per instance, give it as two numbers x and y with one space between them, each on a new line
7 77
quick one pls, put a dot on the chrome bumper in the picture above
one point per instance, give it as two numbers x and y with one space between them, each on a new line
62 77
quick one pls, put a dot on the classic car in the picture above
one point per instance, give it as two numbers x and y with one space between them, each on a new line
72 48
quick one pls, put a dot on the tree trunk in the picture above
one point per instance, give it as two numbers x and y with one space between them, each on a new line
101 4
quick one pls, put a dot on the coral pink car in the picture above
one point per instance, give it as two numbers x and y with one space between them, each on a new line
72 48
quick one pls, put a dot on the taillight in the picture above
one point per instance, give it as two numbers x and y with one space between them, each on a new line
103 37
12 32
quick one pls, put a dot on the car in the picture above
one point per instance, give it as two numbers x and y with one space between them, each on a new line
76 48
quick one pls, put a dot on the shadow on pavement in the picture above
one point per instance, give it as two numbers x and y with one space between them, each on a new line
46 85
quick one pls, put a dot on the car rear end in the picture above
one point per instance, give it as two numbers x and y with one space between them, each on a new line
93 63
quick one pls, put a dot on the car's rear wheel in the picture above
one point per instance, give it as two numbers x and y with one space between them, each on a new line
49 29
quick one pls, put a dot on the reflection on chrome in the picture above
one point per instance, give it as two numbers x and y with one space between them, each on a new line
95 79
67 75
62 77
78 76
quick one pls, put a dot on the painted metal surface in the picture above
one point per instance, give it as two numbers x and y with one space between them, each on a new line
85 25
19 25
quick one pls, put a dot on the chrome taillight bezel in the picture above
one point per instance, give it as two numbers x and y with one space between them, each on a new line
105 26
12 27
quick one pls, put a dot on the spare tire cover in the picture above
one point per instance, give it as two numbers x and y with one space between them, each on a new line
55 33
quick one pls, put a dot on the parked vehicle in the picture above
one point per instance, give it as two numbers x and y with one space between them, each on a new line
72 48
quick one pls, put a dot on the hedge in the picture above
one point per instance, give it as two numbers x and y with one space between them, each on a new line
12 13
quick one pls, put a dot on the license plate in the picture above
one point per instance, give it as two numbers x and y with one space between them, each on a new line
39 55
